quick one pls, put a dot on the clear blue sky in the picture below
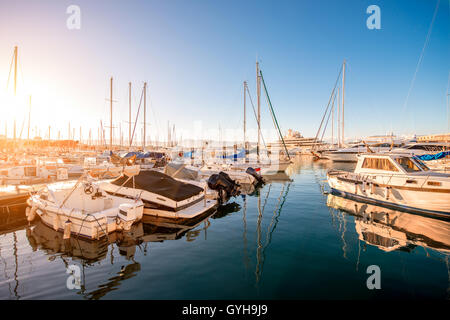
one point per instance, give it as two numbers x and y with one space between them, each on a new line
195 54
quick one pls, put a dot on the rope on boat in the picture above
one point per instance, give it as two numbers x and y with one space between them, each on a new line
82 223
274 118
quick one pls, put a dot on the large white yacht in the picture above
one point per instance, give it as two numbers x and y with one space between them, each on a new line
395 180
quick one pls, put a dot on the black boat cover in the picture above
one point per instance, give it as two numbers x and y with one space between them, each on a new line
160 183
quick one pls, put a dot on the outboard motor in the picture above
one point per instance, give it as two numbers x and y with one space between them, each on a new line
255 175
226 186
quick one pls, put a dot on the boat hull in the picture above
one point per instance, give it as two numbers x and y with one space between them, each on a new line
427 202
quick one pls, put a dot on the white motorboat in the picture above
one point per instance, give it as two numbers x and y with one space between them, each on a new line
349 154
395 180
31 174
183 171
84 210
163 196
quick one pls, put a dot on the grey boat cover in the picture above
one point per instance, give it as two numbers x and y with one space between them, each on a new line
161 184
184 173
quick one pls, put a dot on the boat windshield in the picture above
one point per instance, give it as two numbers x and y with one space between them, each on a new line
407 164
422 165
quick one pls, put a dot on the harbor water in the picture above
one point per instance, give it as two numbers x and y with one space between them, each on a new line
291 239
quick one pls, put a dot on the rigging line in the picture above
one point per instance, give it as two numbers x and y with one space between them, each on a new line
273 216
256 117
328 119
273 114
421 57
274 226
137 115
328 105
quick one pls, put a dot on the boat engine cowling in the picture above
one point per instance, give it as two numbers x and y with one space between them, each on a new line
226 186
131 212
255 174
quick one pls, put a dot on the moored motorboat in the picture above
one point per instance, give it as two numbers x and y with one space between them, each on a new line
395 180
162 195
84 210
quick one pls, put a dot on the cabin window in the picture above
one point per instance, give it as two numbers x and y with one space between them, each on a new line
407 164
30 171
379 164
422 165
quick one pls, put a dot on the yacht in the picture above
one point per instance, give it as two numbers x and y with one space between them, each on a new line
398 181
349 154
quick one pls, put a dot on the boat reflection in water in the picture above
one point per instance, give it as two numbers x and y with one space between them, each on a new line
90 253
390 230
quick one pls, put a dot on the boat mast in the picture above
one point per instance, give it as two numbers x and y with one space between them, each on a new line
110 119
332 125
29 116
258 94
129 113
343 95
245 112
339 118
15 69
145 102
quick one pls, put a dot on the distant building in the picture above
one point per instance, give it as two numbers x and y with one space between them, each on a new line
444 137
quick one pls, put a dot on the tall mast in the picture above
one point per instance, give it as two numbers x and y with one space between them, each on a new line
339 118
129 113
332 124
258 94
343 94
110 119
245 112
15 69
29 116
145 102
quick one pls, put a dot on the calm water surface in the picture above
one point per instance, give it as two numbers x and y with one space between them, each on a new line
290 240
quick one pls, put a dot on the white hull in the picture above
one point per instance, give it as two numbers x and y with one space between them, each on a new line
341 156
91 215
393 191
